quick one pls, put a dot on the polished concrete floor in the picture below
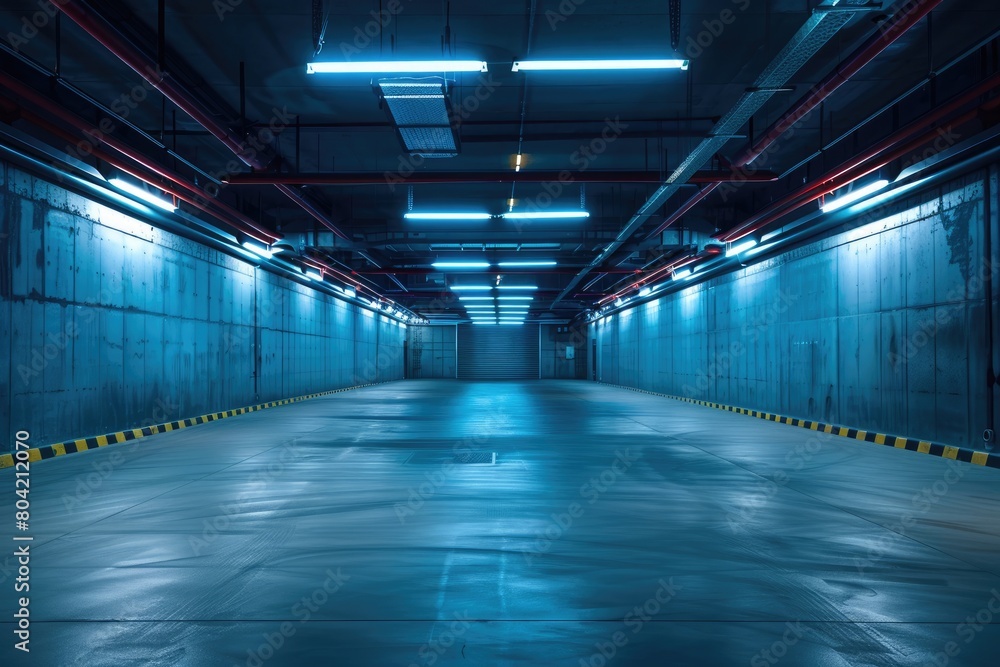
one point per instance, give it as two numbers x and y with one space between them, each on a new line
377 527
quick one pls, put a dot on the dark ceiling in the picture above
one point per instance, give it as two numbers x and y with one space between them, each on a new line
335 126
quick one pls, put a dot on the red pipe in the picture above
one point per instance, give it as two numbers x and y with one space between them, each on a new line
147 69
448 177
242 223
841 177
891 30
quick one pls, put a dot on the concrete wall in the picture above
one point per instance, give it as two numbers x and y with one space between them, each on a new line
554 364
882 327
432 352
107 323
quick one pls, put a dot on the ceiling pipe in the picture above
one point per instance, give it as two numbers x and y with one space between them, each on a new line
177 193
233 218
892 29
507 176
473 272
146 67
659 273
817 30
883 153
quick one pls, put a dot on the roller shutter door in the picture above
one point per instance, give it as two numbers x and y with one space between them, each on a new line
497 352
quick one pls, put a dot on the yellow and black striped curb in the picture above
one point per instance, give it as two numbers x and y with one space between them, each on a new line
83 444
923 446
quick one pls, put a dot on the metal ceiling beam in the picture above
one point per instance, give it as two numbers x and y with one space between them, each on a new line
818 29
146 67
891 30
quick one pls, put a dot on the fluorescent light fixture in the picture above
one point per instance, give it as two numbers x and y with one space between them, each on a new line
314 274
475 298
515 324
144 195
350 291
525 287
645 291
619 302
258 249
397 67
546 215
854 195
515 298
446 215
517 167
471 288
515 306
582 65
682 274
521 265
461 265
741 247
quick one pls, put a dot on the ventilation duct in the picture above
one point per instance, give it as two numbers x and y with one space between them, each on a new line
420 111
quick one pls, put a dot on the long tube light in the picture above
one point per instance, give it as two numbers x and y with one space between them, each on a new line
475 298
471 288
461 265
855 195
513 287
683 274
142 194
397 67
520 265
582 65
515 298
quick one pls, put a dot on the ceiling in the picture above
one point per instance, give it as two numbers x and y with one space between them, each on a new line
639 127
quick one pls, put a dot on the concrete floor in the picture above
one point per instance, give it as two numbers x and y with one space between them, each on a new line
614 528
